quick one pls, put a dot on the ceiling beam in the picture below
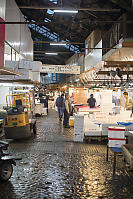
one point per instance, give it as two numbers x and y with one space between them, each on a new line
65 8
48 42
39 52
46 23
116 66
122 63
106 72
99 48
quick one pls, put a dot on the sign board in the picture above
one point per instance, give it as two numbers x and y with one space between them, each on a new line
60 69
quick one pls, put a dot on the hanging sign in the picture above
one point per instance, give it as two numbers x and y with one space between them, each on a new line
60 69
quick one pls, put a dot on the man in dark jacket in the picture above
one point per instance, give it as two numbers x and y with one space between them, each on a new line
60 106
91 101
67 111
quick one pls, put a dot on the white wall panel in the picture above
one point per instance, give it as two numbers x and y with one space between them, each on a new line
2 8
94 57
12 30
26 47
17 35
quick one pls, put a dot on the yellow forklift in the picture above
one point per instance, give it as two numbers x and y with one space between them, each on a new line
19 123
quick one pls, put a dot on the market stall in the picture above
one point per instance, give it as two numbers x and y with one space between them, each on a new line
111 112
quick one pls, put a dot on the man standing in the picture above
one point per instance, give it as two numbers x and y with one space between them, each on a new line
67 111
128 103
91 101
60 106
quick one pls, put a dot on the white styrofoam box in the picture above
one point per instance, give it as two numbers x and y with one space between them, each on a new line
100 117
78 138
30 75
92 117
92 127
106 125
116 136
86 119
79 124
93 133
12 64
37 66
27 74
27 64
116 110
83 112
128 128
116 143
71 118
44 111
105 128
116 132
51 104
38 108
36 76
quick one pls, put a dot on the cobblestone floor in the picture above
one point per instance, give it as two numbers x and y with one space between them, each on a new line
54 167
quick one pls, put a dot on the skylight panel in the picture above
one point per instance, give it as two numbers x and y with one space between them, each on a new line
50 12
47 20
54 1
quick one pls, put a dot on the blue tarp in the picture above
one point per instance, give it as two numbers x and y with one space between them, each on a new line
124 123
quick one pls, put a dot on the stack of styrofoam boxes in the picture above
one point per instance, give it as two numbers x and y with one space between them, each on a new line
90 127
12 65
25 67
100 117
27 74
38 108
36 69
79 128
106 101
116 136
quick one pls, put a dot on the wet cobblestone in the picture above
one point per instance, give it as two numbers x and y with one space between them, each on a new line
54 167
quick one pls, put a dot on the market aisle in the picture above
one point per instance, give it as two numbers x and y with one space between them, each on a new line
54 167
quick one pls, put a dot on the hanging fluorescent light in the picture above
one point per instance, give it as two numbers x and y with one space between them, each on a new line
57 44
51 53
66 11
